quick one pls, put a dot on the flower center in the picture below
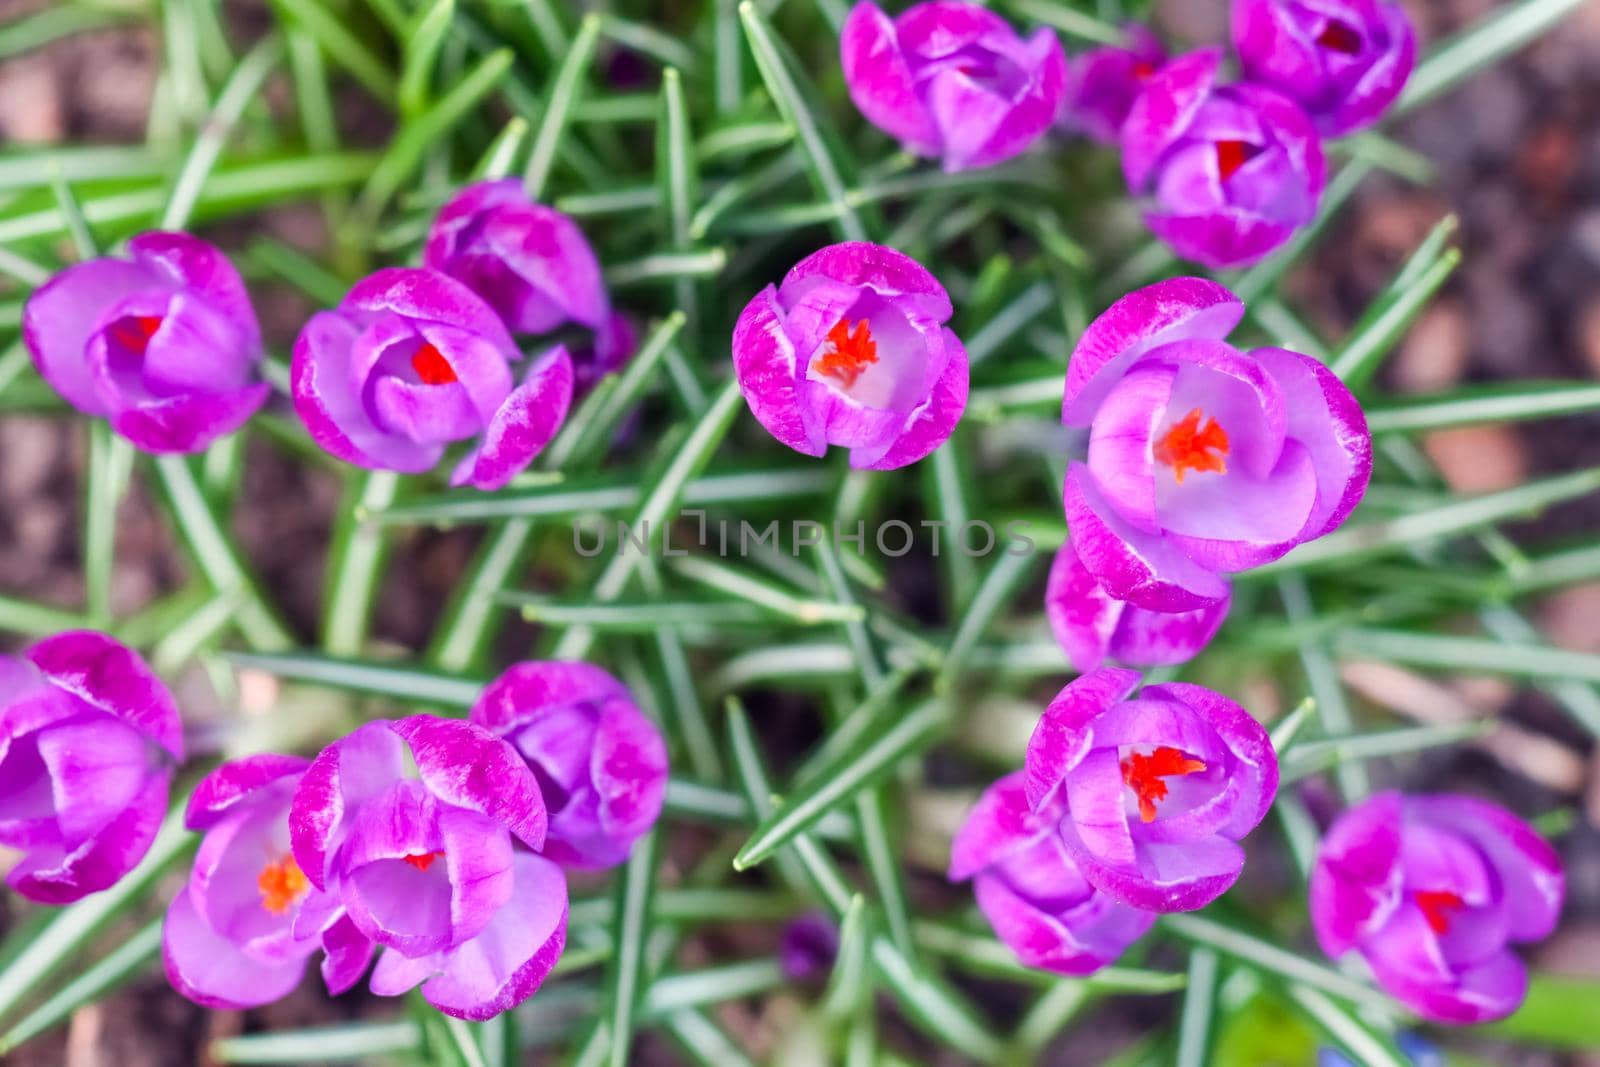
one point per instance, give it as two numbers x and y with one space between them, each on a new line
1143 69
1144 775
432 367
848 354
1436 906
1189 446
1340 37
282 884
422 860
134 332
1231 155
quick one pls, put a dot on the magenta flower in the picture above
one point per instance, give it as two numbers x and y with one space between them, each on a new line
411 362
1033 891
1430 890
600 762
1229 171
1158 789
413 828
1092 626
238 935
1345 61
164 343
89 738
952 80
851 350
1103 83
1203 460
529 262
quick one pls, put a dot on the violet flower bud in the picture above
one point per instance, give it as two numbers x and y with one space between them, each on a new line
1203 460
1344 61
164 343
426 832
952 80
1229 172
1158 789
851 350
600 762
239 933
411 362
1429 890
89 739
1093 626
1102 83
1033 891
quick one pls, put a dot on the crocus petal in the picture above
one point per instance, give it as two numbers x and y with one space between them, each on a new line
1042 940
196 265
106 674
525 423
765 362
59 317
1407 966
347 953
1000 824
1159 639
213 971
932 422
465 765
1325 419
1256 769
511 699
348 773
629 770
1062 737
97 766
1164 110
1083 616
428 295
1028 116
192 422
884 270
506 964
1381 85
1143 319
51 877
1220 239
1525 862
1355 882
880 81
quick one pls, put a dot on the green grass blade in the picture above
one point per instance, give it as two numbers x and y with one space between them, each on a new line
564 93
408 685
1365 1044
355 562
1511 27
1387 320
1272 960
1199 1005
430 30
1473 655
322 1044
131 955
1311 757
1484 404
340 45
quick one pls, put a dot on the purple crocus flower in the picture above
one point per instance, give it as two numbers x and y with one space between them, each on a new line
953 80
1430 889
413 361
1345 61
89 738
1032 889
1230 172
1092 626
1103 83
529 262
425 831
163 343
1158 789
1203 459
851 350
600 762
234 936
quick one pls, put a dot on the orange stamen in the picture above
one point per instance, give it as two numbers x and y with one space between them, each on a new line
422 860
1190 447
432 367
1340 38
1231 155
850 353
134 333
1144 776
282 884
1436 906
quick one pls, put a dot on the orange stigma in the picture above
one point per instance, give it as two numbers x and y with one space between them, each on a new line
1436 906
850 353
1144 776
431 367
1339 37
1190 447
282 884
1143 69
422 860
134 332
1231 155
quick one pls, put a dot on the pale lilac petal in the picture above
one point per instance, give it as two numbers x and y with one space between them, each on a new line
880 81
97 766
1083 616
348 773
877 267
1158 639
1526 863
525 423
347 953
764 360
1255 771
106 674
213 971
469 767
60 315
1063 735
1221 239
427 295
1326 419
933 422
1406 963
1042 940
1120 442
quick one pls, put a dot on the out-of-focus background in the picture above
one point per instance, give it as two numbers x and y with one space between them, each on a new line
1515 153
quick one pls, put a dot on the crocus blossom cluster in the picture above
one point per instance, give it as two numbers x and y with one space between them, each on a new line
436 845
89 740
952 80
163 342
851 349
1430 890
1127 807
1203 459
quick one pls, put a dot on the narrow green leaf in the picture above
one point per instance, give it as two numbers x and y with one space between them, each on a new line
1272 960
110 465
355 562
352 1041
131 955
713 985
24 34
705 1040
1475 655
677 178
83 241
1199 1004
848 986
37 620
999 585
1327 690
1368 1047
409 685
1310 757
1511 27
339 44
668 266
1069 20
564 92
666 49
1478 404
1387 320
427 37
